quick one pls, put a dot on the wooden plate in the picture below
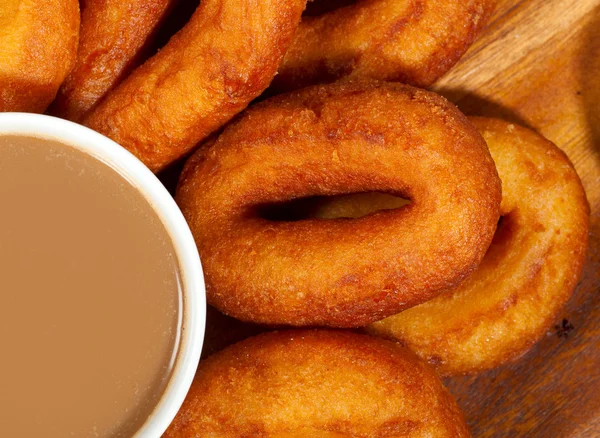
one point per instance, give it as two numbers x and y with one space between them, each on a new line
538 64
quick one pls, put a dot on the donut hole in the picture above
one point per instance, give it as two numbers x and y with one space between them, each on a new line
347 206
503 241
505 229
177 18
315 8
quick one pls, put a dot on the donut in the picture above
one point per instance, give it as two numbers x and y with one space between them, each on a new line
528 273
38 46
348 137
114 34
317 383
410 41
223 58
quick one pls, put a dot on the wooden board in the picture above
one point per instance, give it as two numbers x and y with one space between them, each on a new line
538 64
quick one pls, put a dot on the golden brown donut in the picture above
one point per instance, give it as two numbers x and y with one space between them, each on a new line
114 34
38 46
410 41
528 273
302 383
328 140
209 71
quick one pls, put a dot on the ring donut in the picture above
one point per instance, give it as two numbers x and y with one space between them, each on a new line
38 46
329 140
317 383
528 273
209 71
114 34
410 41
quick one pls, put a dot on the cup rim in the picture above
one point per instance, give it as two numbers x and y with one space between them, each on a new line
194 292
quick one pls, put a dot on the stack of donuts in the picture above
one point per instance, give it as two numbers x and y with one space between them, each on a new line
327 190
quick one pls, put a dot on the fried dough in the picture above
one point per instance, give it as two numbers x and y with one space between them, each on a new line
38 40
221 60
408 41
317 384
328 140
114 34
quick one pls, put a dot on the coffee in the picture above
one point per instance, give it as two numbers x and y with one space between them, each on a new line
90 296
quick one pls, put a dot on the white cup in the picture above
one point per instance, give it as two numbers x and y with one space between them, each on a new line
194 297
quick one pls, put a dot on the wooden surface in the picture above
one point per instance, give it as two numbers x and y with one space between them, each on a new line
538 64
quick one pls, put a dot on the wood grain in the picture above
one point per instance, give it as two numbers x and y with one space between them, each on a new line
538 64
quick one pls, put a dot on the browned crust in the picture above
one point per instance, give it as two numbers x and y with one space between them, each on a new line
410 41
209 71
38 41
341 138
530 271
112 38
317 384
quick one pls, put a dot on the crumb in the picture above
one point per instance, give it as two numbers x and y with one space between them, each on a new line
564 328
